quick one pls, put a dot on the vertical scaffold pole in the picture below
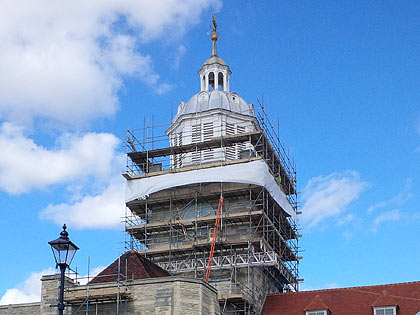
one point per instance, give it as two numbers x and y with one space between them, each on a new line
118 293
87 286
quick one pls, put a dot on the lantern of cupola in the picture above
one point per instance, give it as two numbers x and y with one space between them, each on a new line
211 113
214 74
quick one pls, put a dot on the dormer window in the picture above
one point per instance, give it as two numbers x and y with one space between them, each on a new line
234 98
389 310
319 312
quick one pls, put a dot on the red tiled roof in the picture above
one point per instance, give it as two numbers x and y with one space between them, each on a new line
133 266
385 300
316 304
348 301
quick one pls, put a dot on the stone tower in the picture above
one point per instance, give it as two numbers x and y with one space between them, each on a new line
219 145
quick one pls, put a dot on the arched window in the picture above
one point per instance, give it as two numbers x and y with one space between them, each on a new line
211 81
201 209
220 81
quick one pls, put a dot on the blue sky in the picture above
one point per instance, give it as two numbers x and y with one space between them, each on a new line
342 77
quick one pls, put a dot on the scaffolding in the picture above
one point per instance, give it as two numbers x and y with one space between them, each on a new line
256 252
81 296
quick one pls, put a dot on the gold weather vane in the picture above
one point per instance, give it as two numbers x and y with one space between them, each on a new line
214 36
214 24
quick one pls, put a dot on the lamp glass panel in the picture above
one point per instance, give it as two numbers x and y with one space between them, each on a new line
60 252
56 254
70 255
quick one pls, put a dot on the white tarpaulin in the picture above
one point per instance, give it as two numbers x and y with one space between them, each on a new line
255 172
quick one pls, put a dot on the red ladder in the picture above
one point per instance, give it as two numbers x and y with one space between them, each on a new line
213 241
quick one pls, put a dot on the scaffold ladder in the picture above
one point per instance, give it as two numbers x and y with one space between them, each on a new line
214 239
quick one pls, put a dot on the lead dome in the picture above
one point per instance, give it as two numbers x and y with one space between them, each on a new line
214 99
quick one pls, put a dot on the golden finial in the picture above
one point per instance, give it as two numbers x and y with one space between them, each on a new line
214 36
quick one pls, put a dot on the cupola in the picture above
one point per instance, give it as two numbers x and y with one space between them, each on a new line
213 112
214 73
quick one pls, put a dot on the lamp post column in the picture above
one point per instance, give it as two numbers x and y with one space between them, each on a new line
64 251
61 295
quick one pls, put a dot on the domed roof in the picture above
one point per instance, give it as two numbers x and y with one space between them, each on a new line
215 59
215 99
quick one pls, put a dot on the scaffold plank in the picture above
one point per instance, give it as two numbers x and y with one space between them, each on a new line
164 225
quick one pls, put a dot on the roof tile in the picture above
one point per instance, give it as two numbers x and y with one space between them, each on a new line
316 304
133 266
348 301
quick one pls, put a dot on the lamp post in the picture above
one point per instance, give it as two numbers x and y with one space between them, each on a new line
64 251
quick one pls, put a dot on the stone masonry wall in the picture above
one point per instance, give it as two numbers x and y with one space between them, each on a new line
163 296
20 309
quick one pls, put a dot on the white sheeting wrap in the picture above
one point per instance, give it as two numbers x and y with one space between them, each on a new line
255 172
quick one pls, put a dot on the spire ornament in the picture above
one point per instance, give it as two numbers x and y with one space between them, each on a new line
214 24
214 36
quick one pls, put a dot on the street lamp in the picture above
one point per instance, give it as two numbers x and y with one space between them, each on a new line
64 251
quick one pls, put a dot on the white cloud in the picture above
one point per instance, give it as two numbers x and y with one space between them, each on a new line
345 219
332 285
82 280
393 215
180 53
328 196
163 88
28 291
95 271
102 210
24 165
66 61
305 287
397 200
88 164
